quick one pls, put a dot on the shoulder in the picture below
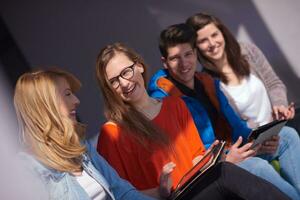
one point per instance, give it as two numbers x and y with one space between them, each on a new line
172 101
109 126
157 76
44 173
174 106
249 49
205 78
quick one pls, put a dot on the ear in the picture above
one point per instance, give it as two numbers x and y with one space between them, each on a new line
140 68
164 62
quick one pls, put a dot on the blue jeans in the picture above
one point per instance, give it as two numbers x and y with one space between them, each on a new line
288 154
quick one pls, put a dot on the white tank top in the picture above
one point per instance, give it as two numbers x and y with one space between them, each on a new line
94 190
251 99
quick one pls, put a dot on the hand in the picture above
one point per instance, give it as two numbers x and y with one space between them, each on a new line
269 146
198 158
283 112
165 181
238 154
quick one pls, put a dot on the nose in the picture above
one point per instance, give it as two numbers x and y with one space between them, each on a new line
76 101
123 82
184 61
211 42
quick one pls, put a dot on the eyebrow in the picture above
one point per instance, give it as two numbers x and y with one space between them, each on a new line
121 71
68 89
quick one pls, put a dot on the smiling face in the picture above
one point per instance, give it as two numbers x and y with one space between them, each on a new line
68 102
211 43
127 75
181 63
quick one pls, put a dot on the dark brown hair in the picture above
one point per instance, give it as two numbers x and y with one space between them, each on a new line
237 61
118 111
174 35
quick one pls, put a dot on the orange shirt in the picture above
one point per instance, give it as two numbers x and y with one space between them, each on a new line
142 167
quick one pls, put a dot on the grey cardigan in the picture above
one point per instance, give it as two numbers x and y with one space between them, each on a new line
260 67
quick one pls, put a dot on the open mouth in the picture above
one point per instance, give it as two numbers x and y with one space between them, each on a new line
185 70
130 90
73 113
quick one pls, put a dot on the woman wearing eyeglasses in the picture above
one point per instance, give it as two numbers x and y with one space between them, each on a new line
153 143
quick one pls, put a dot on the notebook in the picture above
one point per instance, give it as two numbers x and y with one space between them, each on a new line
194 175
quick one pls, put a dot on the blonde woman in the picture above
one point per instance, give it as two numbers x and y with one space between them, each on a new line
55 149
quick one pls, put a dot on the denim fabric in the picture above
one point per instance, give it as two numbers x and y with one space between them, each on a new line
288 154
62 185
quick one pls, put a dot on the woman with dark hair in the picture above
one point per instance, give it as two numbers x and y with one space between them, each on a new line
252 88
153 143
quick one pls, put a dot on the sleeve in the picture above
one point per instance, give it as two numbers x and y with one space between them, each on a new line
190 129
109 148
239 126
120 187
261 66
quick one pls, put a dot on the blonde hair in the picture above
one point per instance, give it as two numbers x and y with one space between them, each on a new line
52 138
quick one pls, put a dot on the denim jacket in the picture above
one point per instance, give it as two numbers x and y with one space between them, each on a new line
62 185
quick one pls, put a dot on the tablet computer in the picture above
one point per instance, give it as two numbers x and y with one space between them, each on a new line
193 175
265 132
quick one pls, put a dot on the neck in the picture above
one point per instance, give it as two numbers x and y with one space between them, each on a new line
143 102
190 84
148 106
222 63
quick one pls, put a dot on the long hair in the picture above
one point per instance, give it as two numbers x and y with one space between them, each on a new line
52 138
237 61
120 112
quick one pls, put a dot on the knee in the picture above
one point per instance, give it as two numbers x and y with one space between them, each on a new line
257 165
289 134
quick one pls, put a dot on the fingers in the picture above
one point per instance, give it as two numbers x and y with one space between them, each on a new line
268 149
246 147
248 153
291 109
212 145
196 160
168 168
238 142
166 180
275 112
283 112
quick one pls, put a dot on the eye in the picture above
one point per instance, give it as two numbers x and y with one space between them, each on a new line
127 73
190 53
215 34
114 82
174 59
68 92
201 41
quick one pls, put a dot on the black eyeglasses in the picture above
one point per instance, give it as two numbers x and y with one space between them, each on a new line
127 73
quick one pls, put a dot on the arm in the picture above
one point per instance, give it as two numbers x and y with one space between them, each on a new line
239 126
262 68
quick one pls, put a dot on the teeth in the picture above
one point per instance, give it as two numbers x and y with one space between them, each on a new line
130 90
73 112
